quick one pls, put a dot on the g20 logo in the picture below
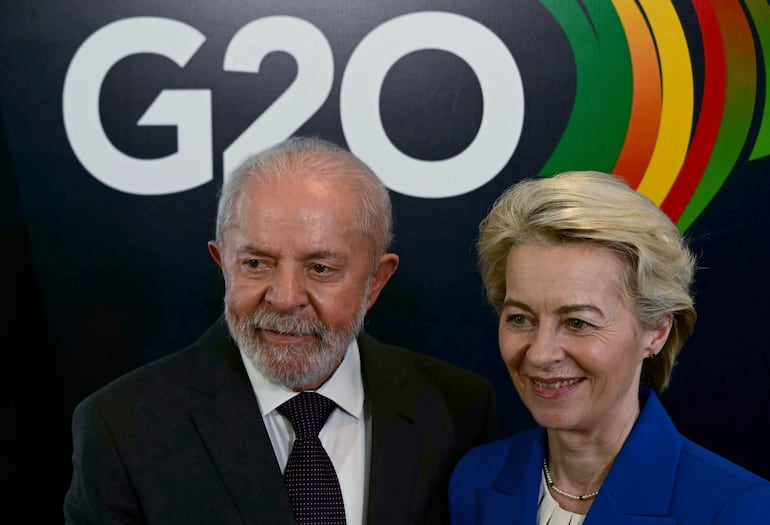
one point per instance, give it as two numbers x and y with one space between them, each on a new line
190 110
635 111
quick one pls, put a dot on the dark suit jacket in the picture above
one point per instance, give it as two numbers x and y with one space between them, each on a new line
658 478
182 440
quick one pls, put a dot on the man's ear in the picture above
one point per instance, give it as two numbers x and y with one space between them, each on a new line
386 267
215 253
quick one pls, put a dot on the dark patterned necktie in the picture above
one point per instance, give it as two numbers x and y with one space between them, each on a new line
314 489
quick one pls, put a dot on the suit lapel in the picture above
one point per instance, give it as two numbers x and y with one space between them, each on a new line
395 460
231 428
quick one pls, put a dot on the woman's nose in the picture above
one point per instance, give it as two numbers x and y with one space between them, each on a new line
544 347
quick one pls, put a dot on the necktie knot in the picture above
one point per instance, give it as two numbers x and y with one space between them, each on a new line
308 412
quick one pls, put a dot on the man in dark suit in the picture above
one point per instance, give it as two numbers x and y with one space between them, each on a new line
302 235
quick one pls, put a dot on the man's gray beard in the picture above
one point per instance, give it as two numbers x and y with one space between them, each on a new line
317 361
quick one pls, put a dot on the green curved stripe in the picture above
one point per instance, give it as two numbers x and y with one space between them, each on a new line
596 129
760 13
740 94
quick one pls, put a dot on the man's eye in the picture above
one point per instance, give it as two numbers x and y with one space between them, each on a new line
577 324
320 268
254 263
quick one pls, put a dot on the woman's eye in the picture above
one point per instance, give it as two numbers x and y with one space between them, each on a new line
518 319
577 324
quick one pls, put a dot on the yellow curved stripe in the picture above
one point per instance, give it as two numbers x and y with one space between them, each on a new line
644 122
678 100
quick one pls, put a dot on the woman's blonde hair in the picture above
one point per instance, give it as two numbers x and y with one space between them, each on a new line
601 209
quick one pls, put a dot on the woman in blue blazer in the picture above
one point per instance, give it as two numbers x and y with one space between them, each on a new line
591 281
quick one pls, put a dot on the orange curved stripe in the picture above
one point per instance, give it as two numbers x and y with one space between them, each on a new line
646 103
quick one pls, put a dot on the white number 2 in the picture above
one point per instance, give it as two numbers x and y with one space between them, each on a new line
311 87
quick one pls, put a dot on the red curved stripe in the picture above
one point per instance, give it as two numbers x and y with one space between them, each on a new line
710 117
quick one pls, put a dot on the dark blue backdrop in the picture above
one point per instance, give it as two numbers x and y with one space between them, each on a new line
101 281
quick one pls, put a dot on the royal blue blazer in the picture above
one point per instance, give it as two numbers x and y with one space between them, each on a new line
659 477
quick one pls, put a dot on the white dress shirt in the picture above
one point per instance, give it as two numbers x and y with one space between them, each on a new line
344 436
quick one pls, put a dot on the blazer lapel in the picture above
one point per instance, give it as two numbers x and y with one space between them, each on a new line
514 495
639 487
233 432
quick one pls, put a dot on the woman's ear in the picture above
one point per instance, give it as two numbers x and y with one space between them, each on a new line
659 335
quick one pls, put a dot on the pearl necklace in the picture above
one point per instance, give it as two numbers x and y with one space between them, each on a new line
552 485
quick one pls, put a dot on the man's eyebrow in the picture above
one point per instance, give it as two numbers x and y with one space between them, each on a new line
250 249
323 254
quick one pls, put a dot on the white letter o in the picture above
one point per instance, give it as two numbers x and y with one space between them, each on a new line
502 92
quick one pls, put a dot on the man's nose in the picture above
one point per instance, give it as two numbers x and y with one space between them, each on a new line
286 291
